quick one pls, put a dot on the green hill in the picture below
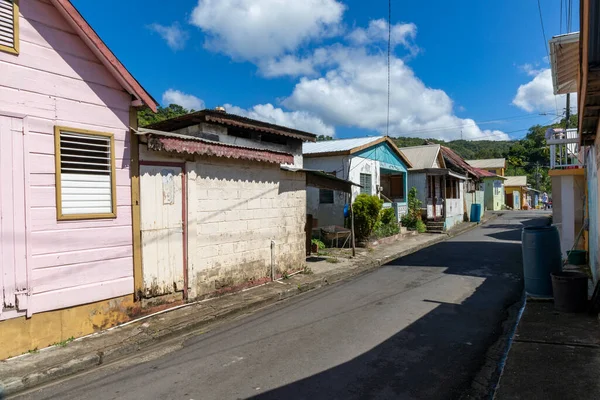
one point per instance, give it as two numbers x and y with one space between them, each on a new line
528 156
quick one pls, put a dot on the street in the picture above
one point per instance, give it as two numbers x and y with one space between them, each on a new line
417 328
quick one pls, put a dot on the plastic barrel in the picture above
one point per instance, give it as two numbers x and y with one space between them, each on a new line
570 291
541 257
475 212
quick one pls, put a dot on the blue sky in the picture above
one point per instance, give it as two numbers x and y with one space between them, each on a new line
320 65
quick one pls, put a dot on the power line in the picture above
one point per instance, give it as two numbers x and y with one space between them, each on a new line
546 44
387 126
475 123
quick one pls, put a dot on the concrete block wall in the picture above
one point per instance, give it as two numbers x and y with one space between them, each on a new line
235 209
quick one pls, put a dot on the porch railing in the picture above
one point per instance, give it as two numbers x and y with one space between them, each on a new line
564 149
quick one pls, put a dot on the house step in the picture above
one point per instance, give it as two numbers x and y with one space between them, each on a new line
435 226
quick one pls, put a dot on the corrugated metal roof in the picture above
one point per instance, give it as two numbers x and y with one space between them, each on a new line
167 141
333 146
515 181
224 118
421 156
488 163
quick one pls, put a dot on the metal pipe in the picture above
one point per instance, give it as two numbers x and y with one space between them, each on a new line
272 260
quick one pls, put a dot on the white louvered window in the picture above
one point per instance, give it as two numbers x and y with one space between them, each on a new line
9 26
85 166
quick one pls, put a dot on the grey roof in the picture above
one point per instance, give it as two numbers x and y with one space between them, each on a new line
515 181
421 156
488 163
331 146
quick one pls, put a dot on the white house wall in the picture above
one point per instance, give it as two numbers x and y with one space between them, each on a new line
327 214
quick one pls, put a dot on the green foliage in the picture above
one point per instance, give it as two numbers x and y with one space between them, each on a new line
385 230
411 219
322 138
420 226
387 216
319 243
366 209
147 117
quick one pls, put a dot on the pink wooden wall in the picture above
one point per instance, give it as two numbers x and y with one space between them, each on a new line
57 80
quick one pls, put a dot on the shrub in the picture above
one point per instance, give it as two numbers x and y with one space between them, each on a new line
366 211
320 244
386 230
387 216
420 226
412 220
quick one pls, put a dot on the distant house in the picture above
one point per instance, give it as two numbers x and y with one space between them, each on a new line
223 204
375 163
493 183
440 189
476 185
66 245
496 166
515 188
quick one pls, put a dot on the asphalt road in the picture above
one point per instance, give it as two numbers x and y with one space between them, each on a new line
418 328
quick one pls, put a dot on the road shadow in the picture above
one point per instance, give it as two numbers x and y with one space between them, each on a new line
437 356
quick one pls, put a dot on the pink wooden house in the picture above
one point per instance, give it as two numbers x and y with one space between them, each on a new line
66 108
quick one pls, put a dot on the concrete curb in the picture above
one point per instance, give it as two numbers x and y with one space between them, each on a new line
111 354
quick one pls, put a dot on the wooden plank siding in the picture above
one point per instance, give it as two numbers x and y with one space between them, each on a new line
56 80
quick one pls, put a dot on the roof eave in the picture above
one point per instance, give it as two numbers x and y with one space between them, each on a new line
105 55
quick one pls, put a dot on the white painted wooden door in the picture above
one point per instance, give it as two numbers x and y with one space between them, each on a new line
13 244
161 201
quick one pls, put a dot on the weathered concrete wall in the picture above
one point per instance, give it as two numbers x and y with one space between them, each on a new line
236 209
19 335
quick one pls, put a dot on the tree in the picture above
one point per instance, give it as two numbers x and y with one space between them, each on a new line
147 117
322 138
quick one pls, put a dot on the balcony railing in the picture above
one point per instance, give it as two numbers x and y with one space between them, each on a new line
564 149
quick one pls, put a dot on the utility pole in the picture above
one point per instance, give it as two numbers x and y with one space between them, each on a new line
568 111
537 175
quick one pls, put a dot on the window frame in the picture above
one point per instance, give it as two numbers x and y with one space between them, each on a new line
362 189
401 178
15 49
57 165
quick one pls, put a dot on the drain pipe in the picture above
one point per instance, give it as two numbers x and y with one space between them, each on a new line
272 260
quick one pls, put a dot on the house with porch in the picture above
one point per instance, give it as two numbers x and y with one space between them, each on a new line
476 190
66 244
494 183
440 189
374 163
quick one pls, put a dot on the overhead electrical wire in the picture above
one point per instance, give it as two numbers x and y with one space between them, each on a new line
546 44
389 52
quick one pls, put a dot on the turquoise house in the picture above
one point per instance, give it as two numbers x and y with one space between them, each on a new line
374 163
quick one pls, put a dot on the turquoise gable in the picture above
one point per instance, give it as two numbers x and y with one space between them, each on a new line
385 155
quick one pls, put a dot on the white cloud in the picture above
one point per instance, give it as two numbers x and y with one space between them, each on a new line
191 102
353 93
173 35
377 31
287 66
301 120
251 29
537 95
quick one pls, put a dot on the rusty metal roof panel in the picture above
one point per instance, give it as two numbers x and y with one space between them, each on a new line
224 118
193 145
